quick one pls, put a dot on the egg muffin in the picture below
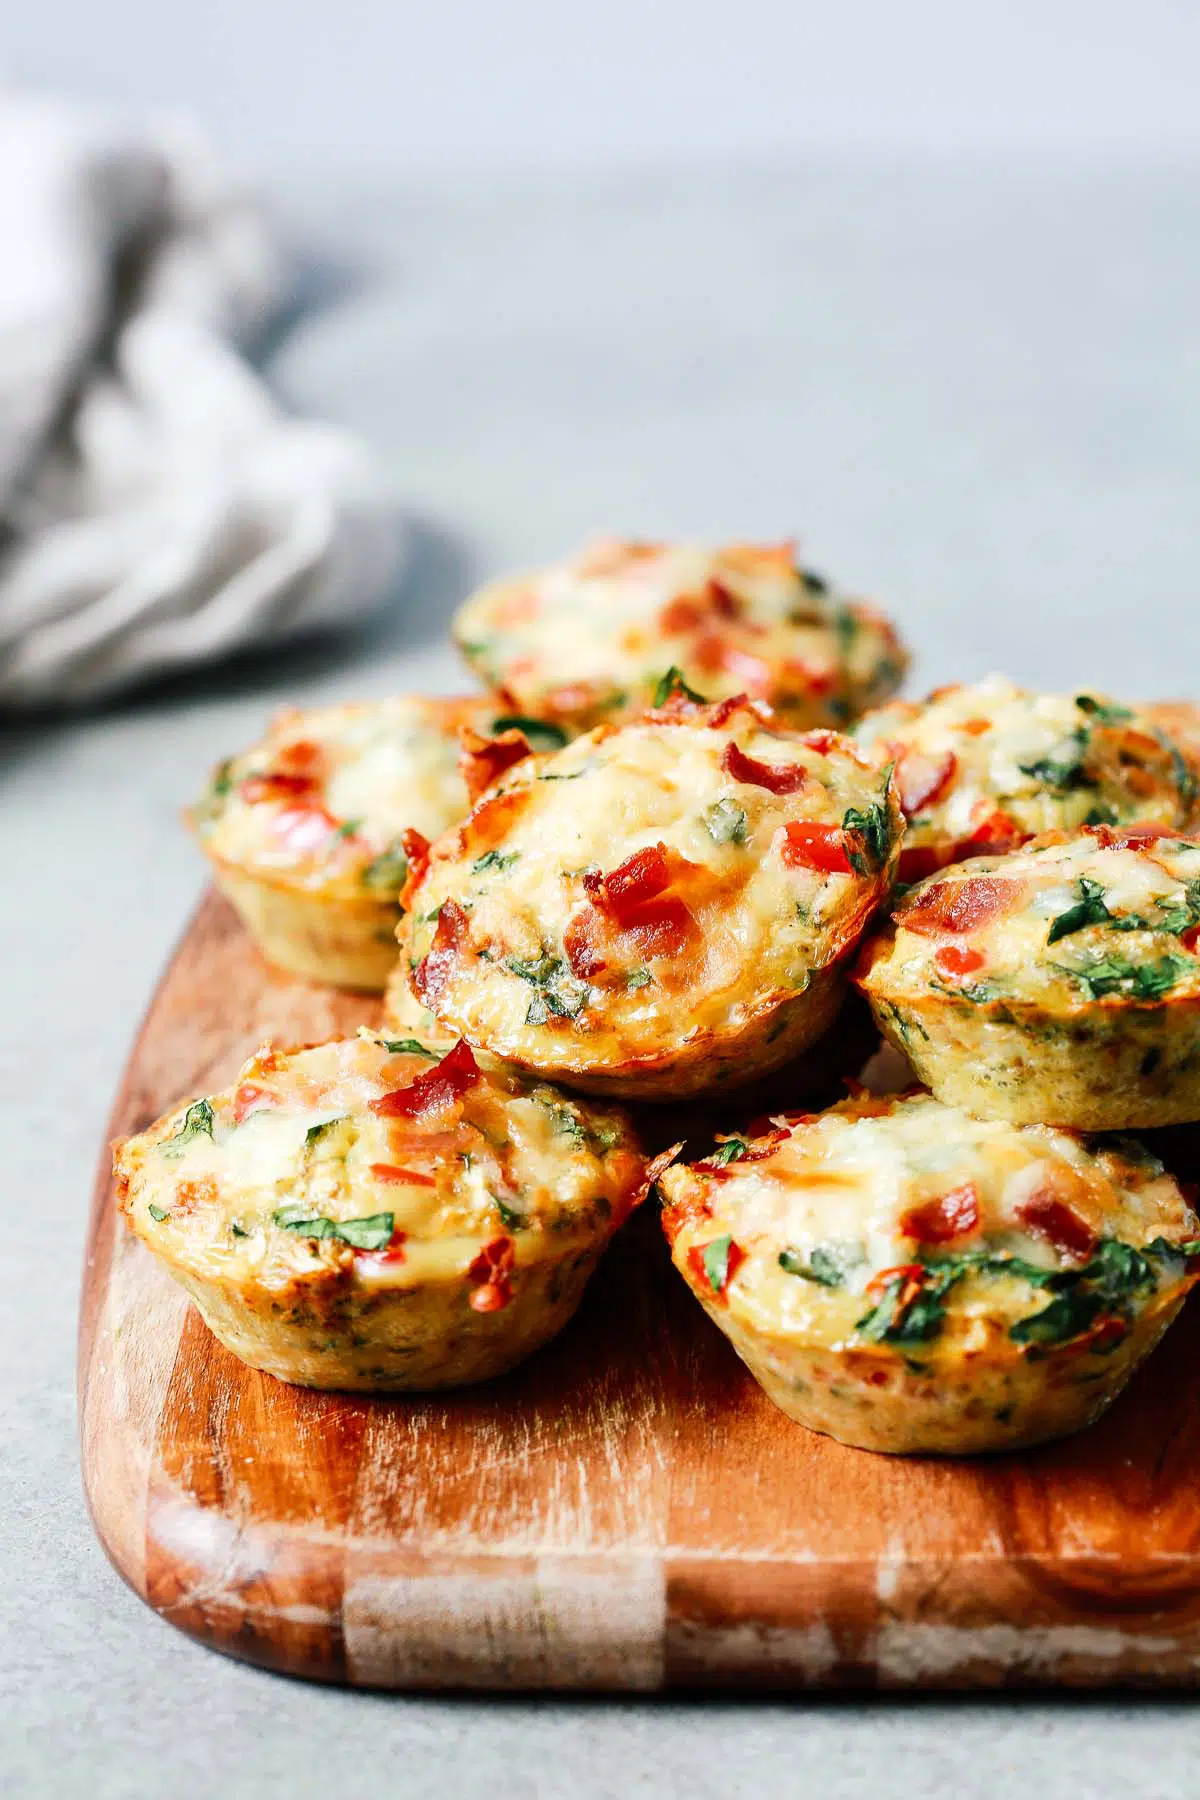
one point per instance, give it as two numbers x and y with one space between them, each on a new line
659 909
983 769
1060 983
585 642
311 832
366 1215
908 1278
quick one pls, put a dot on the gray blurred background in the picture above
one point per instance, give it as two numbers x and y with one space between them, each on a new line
307 85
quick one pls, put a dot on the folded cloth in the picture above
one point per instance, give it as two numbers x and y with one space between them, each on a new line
156 507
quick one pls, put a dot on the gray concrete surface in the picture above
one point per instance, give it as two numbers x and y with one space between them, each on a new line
975 391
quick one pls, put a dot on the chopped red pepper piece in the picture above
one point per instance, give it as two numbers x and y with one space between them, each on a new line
490 1271
734 1257
393 1172
921 779
949 1216
787 778
440 1086
995 833
250 1098
810 845
954 961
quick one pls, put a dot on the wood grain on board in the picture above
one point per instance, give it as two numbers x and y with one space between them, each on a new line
626 1511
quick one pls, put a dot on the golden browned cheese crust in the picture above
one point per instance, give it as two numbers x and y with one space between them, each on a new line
908 1278
587 640
367 1214
983 769
658 909
310 832
1060 983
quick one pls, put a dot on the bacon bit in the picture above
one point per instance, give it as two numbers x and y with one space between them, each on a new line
579 948
1055 1223
817 681
661 928
786 779
393 1172
191 1194
416 849
811 845
735 1256
724 602
920 779
912 1277
724 710
822 741
1109 1329
304 830
440 1086
492 819
996 833
276 785
954 961
714 653
959 906
491 1270
250 1098
638 879
432 974
951 1215
482 760
758 1152
1129 837
301 758
680 615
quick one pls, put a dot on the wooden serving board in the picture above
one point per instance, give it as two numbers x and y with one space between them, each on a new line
626 1511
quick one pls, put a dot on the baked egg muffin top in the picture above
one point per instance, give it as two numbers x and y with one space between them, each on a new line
588 638
340 797
986 767
902 1223
652 881
380 1161
1108 917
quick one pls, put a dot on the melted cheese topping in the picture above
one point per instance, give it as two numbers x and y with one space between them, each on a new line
988 767
1063 926
323 800
224 1187
589 639
846 1198
631 891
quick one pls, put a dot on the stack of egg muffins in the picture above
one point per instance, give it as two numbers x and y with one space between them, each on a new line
651 865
